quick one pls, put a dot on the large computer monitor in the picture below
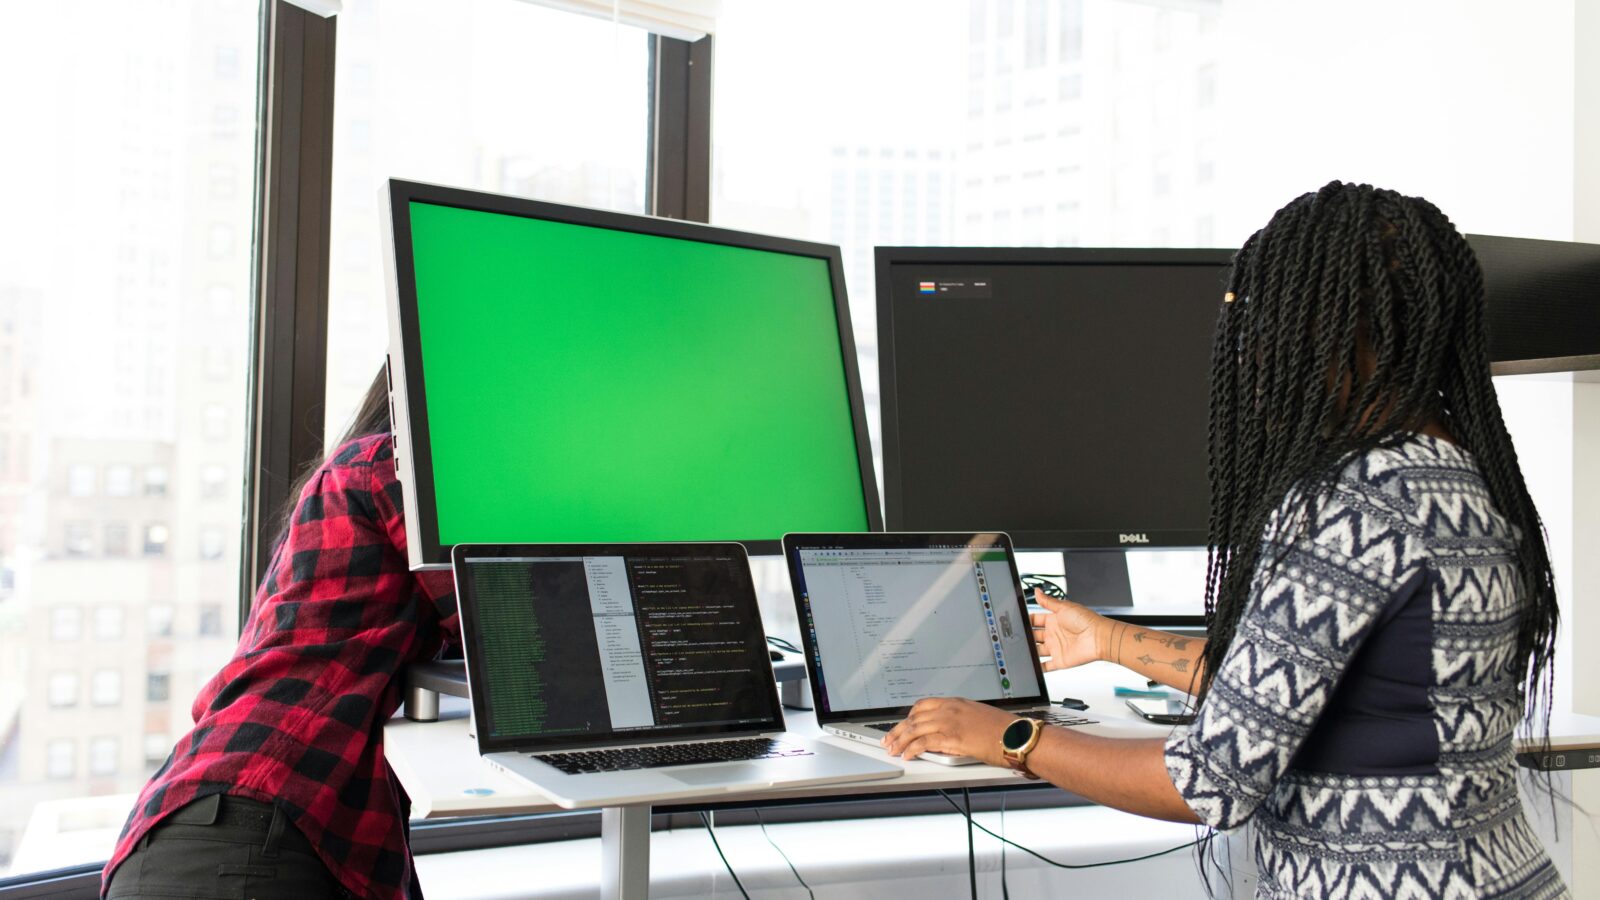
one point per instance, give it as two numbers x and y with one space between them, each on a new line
1059 395
561 374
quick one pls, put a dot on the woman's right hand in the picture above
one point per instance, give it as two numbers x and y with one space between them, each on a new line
1068 634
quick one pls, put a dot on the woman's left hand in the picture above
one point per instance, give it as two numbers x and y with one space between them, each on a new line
950 725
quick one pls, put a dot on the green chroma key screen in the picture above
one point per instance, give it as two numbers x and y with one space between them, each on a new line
587 384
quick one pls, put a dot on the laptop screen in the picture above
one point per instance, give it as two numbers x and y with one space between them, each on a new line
889 619
596 645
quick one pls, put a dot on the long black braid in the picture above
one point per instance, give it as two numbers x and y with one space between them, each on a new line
1354 318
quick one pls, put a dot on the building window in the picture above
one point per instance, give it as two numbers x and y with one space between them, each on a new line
60 758
156 747
80 480
155 481
66 623
210 619
105 688
214 424
158 620
119 481
211 542
158 687
116 539
63 690
103 756
155 539
213 481
108 623
1035 37
77 538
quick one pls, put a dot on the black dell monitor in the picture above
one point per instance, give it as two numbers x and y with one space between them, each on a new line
1059 395
567 375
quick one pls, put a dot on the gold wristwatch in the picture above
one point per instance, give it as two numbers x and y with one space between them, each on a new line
1018 740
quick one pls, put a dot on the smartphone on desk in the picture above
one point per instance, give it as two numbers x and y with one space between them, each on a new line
1162 712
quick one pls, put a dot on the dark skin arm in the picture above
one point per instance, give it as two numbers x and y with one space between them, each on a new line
1071 635
1129 774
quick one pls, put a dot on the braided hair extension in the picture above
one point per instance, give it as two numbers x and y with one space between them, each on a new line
1354 318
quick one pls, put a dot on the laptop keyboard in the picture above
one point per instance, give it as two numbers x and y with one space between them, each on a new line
619 759
1047 716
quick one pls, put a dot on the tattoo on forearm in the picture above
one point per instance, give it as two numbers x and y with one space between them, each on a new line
1181 664
1170 641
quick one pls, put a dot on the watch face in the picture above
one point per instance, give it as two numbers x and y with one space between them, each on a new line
1016 734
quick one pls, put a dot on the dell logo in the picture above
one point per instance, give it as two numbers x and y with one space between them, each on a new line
1134 538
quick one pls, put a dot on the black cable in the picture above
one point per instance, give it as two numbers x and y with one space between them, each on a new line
1061 865
715 843
1005 889
972 857
763 823
781 644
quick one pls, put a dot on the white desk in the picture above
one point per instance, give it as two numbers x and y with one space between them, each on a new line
439 766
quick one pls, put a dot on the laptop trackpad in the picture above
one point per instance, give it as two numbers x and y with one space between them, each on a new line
734 773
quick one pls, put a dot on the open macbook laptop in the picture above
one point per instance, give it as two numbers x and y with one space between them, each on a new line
888 619
614 674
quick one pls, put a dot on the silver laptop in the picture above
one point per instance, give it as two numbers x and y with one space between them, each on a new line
888 619
615 674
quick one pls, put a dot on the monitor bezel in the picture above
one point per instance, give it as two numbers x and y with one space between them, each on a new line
471 630
891 540
414 458
887 258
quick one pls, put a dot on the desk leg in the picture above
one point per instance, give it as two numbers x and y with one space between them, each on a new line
625 853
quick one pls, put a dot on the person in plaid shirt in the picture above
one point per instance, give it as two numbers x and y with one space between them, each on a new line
282 788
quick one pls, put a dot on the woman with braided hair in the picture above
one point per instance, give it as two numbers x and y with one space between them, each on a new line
1380 610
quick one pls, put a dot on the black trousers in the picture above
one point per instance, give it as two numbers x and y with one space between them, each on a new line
225 847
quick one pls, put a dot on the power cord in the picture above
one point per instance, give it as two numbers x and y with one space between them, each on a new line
1061 865
763 823
1005 889
972 856
1043 583
717 844
785 646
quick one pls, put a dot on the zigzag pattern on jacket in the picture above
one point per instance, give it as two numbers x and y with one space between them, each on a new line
1412 517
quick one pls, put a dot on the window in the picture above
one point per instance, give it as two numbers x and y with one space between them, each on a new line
158 687
155 481
1036 36
103 756
210 620
119 480
116 539
437 80
158 620
108 623
211 542
77 538
80 480
215 426
63 689
61 758
66 623
155 539
213 482
157 746
133 116
105 688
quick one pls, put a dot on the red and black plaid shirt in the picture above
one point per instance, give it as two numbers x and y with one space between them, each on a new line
296 716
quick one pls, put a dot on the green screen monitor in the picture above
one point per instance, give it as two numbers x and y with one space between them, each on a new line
560 374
